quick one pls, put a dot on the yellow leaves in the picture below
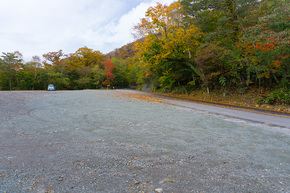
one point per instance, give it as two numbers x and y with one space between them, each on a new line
85 57
159 18
166 38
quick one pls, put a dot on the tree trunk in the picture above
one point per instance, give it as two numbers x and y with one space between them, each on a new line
10 76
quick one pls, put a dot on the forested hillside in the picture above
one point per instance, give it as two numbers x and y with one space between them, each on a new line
204 45
212 45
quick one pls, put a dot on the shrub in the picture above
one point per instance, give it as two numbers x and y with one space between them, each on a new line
279 96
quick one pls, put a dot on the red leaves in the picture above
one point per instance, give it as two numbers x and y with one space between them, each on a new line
109 66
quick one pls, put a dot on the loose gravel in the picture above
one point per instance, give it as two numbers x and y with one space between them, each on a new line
103 141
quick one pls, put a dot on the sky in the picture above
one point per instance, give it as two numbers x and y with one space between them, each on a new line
36 27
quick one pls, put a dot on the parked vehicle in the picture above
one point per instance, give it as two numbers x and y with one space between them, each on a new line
51 87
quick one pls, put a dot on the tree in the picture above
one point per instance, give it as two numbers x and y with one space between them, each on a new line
222 15
120 68
109 67
81 65
34 66
98 76
169 45
10 64
86 57
266 39
53 57
56 66
2 74
57 60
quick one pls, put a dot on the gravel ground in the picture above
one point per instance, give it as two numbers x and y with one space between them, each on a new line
104 141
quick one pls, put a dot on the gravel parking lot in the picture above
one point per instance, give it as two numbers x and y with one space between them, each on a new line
107 141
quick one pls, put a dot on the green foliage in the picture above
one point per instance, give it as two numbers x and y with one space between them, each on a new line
279 96
120 71
166 81
223 81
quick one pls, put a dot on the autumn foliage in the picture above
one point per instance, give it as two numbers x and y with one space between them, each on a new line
109 66
228 45
205 45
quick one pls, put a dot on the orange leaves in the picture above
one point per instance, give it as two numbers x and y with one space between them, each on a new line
277 63
265 46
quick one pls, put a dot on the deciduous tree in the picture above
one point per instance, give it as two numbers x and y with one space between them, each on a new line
109 67
10 63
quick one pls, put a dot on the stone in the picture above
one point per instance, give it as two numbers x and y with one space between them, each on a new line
158 190
60 178
136 181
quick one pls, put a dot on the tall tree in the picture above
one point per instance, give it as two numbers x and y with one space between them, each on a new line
36 64
169 45
222 15
55 64
266 41
109 67
81 65
11 61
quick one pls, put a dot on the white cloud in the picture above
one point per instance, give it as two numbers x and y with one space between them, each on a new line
36 27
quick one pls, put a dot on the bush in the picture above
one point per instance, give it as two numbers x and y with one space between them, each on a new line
279 96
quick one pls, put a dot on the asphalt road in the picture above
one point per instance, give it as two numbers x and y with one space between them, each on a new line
116 141
278 122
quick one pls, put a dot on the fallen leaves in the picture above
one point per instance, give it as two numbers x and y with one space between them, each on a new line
168 180
140 97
